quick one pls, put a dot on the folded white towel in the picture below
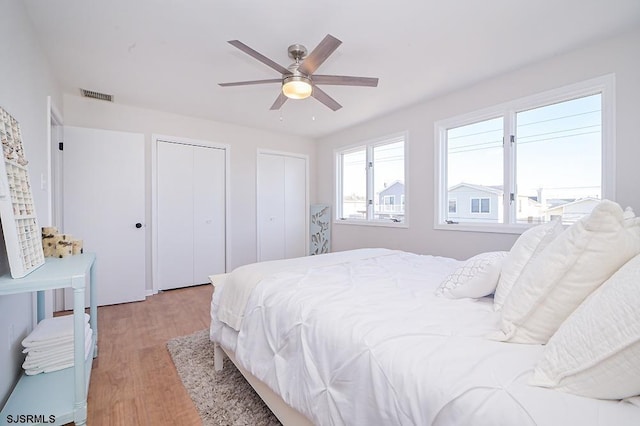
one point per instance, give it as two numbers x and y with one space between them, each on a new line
51 330
58 350
48 369
55 362
46 345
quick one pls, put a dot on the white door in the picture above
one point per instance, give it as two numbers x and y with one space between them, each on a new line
282 206
191 240
104 205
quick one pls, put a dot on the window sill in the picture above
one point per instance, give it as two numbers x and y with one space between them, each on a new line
372 223
485 227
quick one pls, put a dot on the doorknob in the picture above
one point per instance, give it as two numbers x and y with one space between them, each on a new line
138 225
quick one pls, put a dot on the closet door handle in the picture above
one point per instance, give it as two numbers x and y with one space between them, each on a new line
138 225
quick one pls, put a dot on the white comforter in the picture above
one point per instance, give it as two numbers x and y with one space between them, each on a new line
367 342
244 279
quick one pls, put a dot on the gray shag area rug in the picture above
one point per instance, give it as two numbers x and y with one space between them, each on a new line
221 398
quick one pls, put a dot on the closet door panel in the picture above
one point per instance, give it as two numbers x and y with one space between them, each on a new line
271 218
209 213
175 215
295 202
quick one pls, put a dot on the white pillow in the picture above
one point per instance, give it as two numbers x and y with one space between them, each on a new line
524 250
573 265
596 351
478 277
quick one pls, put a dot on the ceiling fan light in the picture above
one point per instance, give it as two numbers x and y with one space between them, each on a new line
297 87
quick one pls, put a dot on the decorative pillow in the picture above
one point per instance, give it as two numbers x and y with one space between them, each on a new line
573 265
524 250
596 351
478 277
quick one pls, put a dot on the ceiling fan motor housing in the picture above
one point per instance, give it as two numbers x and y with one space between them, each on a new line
297 52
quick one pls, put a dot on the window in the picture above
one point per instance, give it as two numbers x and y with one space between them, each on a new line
371 182
480 205
388 203
453 205
521 163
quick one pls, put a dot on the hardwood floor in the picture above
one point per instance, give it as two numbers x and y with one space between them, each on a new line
134 381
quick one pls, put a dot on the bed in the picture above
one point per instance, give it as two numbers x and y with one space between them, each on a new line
366 337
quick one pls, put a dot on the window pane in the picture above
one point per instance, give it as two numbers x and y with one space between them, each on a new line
388 182
484 205
475 170
453 206
354 185
559 160
475 205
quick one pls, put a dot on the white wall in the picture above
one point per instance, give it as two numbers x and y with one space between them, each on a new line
244 143
25 82
619 55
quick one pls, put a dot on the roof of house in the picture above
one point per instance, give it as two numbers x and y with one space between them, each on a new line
573 202
494 189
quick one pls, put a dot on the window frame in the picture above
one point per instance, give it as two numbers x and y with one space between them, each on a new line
369 145
604 85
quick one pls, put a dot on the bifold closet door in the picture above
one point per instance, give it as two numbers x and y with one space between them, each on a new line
282 206
190 214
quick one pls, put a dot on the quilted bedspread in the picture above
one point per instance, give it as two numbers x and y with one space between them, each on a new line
367 342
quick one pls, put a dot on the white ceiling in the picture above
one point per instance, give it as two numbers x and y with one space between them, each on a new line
170 55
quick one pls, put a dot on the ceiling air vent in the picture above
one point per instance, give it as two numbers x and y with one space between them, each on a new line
96 95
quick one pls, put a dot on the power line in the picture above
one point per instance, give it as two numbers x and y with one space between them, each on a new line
500 129
556 118
458 150
562 137
498 144
520 138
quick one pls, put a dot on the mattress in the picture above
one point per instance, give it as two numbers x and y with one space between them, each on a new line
367 341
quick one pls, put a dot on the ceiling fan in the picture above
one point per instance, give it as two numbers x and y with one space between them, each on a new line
298 80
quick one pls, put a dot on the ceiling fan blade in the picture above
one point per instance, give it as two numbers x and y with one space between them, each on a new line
246 83
259 56
280 100
325 99
319 54
345 80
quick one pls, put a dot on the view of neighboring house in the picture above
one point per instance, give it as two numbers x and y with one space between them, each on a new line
475 203
479 203
391 201
571 211
354 206
388 204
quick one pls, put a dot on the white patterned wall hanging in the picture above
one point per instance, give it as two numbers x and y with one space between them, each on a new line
17 211
320 229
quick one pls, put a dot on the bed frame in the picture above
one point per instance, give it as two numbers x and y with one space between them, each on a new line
287 415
